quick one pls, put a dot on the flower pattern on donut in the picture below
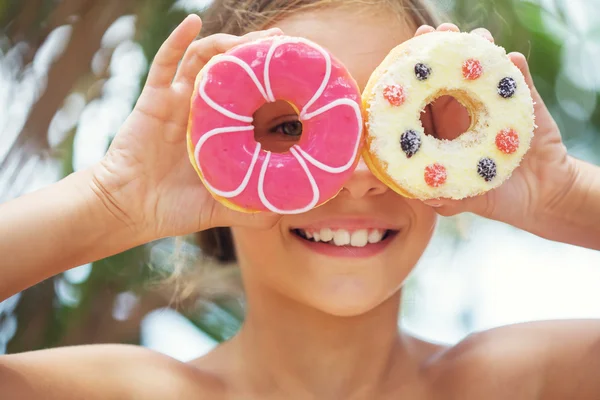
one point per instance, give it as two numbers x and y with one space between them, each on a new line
234 85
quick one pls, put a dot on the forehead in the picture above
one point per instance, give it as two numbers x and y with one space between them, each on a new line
360 38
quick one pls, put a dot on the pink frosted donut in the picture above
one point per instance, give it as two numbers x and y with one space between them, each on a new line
232 164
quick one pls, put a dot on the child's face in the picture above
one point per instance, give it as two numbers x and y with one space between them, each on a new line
342 280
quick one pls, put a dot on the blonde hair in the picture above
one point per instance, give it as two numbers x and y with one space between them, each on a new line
238 17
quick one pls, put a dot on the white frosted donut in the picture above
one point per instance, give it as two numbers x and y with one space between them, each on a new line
480 76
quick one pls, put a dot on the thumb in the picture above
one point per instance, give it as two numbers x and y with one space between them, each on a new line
480 205
519 60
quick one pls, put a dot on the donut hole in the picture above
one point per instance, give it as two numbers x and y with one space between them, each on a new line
449 114
277 126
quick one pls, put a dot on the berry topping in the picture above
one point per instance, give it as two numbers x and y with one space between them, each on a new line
507 87
472 69
422 71
394 94
435 175
410 141
487 169
507 141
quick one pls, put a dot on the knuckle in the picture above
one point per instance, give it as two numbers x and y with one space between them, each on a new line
204 49
219 42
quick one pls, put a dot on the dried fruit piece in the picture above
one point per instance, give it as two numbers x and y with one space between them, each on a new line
472 69
394 94
435 175
422 71
507 141
410 141
507 87
487 169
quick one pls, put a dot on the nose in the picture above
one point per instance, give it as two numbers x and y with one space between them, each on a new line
363 183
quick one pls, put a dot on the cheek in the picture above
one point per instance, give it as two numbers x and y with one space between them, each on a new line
422 226
263 256
424 222
254 246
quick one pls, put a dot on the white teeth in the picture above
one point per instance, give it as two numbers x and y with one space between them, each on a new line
359 238
375 236
341 237
326 234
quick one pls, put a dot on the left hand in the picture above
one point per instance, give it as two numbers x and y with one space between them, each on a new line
537 187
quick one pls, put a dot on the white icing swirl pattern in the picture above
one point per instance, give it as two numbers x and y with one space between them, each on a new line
297 152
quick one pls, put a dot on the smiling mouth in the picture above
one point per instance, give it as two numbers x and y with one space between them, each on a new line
343 237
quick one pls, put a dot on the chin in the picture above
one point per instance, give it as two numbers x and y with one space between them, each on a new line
348 297
339 262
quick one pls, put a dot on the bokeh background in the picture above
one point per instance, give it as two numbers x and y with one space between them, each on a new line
70 73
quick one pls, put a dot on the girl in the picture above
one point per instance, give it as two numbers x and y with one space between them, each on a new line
317 326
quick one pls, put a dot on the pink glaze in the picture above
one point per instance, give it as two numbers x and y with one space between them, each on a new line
234 85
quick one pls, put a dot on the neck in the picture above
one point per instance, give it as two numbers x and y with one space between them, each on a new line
289 347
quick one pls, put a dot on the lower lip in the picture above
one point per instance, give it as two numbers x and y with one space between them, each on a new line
331 250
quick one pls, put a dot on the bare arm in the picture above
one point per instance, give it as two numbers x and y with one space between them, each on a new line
544 360
102 372
144 188
575 219
55 229
561 357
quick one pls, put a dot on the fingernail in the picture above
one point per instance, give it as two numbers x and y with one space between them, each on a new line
273 31
434 204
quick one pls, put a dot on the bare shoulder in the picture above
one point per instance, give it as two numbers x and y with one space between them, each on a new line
102 372
534 360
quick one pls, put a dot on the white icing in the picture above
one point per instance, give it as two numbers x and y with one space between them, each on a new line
319 164
311 179
267 77
445 54
244 183
321 88
222 110
268 95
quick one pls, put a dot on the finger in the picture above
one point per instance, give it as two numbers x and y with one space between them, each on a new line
485 33
448 27
427 121
520 62
480 205
450 118
423 29
167 58
260 34
201 51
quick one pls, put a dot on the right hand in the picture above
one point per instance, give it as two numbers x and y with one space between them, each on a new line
146 179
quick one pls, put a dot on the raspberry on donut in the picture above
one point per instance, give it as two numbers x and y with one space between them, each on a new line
395 94
435 175
472 69
507 141
480 76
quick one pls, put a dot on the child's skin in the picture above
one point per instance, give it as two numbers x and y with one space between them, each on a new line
317 327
